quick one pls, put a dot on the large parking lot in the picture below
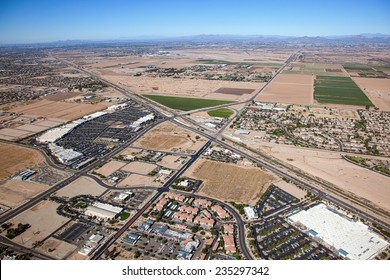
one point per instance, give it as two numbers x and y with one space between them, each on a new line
274 200
275 239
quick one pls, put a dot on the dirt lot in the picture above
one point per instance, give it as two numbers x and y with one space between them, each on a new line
82 185
229 182
170 161
58 109
61 248
136 180
378 90
289 88
168 137
291 189
14 192
139 167
43 219
16 158
331 167
110 167
62 96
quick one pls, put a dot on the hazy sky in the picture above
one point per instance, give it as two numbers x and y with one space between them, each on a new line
43 21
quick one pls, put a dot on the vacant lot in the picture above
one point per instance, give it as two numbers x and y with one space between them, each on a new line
186 104
15 158
14 192
136 180
82 186
140 167
378 90
58 109
221 113
110 167
171 162
289 88
229 182
57 249
339 90
62 96
43 219
237 91
168 137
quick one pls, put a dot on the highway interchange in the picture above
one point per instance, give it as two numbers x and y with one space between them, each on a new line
298 178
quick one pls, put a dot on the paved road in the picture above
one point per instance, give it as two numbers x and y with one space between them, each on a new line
23 249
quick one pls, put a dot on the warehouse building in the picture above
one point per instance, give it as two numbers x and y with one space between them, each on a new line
103 211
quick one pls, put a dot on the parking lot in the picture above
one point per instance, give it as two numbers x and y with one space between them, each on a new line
275 239
274 200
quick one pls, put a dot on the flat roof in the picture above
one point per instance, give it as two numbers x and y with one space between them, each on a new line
348 237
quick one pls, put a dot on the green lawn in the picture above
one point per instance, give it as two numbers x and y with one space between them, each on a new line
220 113
124 216
339 90
186 104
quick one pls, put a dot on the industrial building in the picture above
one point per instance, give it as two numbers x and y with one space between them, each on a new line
25 174
103 211
347 237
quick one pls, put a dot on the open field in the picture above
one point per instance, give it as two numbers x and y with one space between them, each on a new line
62 96
291 189
15 192
110 167
220 113
378 90
16 158
171 162
169 137
58 109
289 88
139 167
136 180
61 248
185 104
316 69
82 186
236 91
367 71
331 167
229 182
339 90
43 219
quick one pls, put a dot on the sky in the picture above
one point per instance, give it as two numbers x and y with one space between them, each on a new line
29 21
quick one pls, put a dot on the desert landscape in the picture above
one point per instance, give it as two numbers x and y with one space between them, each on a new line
377 89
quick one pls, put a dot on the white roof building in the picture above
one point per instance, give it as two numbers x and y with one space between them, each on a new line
103 211
251 212
349 238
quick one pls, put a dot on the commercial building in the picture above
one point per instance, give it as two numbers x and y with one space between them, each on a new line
25 174
349 238
103 211
250 212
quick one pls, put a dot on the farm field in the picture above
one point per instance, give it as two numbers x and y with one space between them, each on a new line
378 90
316 69
339 90
16 158
220 113
229 182
289 88
235 91
367 71
186 104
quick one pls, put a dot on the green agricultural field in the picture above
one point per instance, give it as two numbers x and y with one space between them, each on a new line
220 113
339 90
215 61
184 103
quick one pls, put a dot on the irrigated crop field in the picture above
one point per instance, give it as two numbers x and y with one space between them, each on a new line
186 104
339 90
220 113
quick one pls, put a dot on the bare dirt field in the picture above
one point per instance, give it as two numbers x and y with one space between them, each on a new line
57 249
14 192
43 219
170 137
136 180
58 109
170 161
229 182
195 88
62 96
378 90
236 91
291 189
331 167
16 158
81 186
289 88
139 167
110 167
